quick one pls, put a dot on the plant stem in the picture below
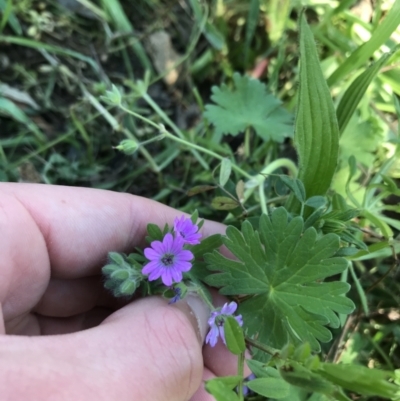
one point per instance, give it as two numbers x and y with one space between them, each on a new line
240 373
262 347
183 141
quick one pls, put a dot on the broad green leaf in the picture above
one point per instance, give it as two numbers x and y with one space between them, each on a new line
234 336
356 91
316 135
270 387
282 266
381 34
362 380
225 171
247 105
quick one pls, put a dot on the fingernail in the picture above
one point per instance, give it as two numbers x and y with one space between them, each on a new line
201 312
197 312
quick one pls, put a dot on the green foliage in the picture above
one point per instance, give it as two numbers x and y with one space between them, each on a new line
234 336
123 273
316 129
363 53
248 105
281 267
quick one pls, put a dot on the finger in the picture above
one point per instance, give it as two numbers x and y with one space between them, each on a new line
82 321
65 298
69 232
81 225
148 350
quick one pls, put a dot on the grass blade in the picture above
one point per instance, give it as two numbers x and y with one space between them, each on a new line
122 23
356 91
364 52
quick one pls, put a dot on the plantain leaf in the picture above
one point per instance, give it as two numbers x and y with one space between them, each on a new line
316 129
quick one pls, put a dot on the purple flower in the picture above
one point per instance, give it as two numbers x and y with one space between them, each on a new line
217 321
185 229
167 259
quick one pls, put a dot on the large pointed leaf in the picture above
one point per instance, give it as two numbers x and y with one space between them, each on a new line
282 267
316 129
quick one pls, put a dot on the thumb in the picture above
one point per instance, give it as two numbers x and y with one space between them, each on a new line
156 348
148 351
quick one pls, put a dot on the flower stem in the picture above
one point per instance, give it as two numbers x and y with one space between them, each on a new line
240 373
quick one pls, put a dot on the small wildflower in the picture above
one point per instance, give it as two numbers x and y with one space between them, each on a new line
167 259
185 229
217 321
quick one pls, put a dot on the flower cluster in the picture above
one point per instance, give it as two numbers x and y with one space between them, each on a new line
167 258
217 321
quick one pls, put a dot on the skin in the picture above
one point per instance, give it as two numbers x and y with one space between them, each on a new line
62 336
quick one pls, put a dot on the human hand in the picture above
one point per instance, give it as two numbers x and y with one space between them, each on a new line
54 242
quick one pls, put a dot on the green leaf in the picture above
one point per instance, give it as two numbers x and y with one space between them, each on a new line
220 390
248 105
251 25
234 336
207 245
356 91
316 135
10 109
225 171
198 189
269 387
360 140
154 232
370 382
300 376
316 202
282 266
9 17
381 34
224 203
296 186
262 370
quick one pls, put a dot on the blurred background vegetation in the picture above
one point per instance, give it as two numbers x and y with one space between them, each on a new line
58 57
